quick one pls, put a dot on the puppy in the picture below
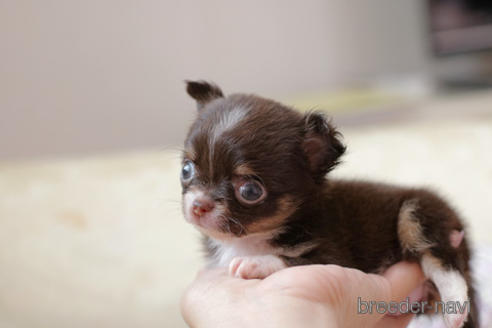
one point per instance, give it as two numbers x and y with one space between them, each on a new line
254 183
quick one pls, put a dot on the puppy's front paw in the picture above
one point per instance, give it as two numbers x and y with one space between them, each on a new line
255 267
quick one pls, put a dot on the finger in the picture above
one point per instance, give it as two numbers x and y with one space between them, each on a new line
401 279
360 292
404 278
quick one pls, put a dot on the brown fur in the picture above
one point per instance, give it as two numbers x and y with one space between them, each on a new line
286 206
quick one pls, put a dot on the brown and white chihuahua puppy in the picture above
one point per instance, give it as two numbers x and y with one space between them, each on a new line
254 183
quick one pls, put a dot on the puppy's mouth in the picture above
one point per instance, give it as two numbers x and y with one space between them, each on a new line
210 217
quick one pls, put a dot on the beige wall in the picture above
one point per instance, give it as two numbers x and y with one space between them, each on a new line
79 77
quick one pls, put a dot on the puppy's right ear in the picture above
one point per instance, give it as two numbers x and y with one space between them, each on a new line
203 92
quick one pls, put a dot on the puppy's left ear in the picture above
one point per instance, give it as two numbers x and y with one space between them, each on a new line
321 144
203 92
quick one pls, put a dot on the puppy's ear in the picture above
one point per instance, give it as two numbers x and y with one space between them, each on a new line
203 92
321 144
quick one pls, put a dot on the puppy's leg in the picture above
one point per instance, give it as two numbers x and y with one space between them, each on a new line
430 232
451 286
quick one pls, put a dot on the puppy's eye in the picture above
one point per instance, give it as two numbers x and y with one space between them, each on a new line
188 171
250 192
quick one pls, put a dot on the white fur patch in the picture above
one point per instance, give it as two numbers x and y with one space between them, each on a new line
451 286
256 244
227 121
249 245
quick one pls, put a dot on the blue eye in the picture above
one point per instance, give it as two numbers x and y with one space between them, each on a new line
250 192
188 171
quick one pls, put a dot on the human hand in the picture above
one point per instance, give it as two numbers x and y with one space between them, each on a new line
302 296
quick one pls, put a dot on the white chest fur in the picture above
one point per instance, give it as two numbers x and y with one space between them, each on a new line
251 245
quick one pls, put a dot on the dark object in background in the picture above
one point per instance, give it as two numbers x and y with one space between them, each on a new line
460 34
479 5
460 26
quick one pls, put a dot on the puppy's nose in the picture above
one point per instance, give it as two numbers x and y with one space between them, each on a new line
202 206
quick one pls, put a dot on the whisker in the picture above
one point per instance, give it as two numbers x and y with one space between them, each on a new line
243 229
224 224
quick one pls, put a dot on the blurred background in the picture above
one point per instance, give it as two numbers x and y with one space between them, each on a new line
93 112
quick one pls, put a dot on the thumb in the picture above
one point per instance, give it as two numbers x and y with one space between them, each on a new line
370 295
365 295
405 278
